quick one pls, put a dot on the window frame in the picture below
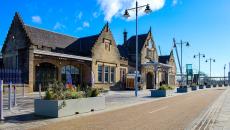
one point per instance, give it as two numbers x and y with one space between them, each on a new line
101 72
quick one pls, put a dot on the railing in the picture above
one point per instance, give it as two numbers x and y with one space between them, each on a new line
10 75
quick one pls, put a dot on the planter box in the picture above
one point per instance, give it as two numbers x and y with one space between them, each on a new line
214 85
194 88
161 93
208 86
226 85
201 87
52 108
220 85
183 89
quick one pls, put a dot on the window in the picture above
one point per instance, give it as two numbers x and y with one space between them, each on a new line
100 73
70 74
107 44
112 75
149 53
106 74
150 46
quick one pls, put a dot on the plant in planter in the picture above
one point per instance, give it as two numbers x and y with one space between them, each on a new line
183 89
194 87
62 101
201 86
163 91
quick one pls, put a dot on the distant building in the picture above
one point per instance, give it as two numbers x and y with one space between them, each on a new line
155 70
44 56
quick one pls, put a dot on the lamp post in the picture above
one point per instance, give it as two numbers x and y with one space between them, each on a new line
224 72
199 55
210 60
126 14
181 43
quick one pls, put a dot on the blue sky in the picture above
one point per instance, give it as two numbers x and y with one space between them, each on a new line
204 23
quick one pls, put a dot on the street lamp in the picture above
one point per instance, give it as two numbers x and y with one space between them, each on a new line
199 55
210 60
126 14
224 72
181 43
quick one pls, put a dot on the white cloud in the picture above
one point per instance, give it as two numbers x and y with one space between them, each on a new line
174 2
36 19
113 8
59 26
86 24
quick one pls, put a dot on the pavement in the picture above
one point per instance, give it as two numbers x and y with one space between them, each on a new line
174 113
22 117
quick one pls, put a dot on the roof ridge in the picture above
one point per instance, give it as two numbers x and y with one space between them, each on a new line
49 31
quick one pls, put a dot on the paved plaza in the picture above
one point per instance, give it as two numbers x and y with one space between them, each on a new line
21 116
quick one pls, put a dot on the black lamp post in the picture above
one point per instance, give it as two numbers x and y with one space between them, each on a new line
199 55
126 14
210 60
181 43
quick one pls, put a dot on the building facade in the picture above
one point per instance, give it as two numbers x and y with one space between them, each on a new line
154 70
44 56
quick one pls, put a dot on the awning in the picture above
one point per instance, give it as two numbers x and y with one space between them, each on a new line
49 53
156 64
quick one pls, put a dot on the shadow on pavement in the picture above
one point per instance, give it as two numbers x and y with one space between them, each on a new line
24 118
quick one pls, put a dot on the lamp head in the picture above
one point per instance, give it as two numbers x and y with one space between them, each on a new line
194 56
126 14
214 60
206 61
187 44
147 9
204 56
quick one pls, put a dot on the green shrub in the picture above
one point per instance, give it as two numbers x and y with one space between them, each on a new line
166 87
92 92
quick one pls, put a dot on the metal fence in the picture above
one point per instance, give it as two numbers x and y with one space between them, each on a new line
10 75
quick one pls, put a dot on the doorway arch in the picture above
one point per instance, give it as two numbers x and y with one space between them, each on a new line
149 81
45 74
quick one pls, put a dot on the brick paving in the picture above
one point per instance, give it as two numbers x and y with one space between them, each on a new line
21 117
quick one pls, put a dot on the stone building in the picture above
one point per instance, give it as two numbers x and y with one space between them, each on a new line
43 56
155 70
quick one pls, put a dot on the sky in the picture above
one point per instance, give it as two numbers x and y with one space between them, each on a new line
205 24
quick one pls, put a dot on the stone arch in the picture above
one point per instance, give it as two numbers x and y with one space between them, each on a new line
45 74
150 80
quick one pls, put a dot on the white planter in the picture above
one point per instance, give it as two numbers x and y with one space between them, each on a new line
53 108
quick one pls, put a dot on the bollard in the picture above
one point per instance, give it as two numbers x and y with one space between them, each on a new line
1 100
15 104
40 89
23 90
9 97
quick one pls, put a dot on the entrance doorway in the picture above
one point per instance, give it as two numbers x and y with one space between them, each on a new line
45 74
149 77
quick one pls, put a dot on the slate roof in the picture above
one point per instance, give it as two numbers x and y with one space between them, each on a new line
47 38
131 43
164 59
82 46
123 51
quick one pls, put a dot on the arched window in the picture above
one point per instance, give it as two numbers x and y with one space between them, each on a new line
70 74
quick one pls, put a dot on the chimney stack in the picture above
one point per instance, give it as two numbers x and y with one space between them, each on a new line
125 38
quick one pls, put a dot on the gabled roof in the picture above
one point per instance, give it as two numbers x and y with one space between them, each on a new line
46 38
82 46
164 59
131 43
